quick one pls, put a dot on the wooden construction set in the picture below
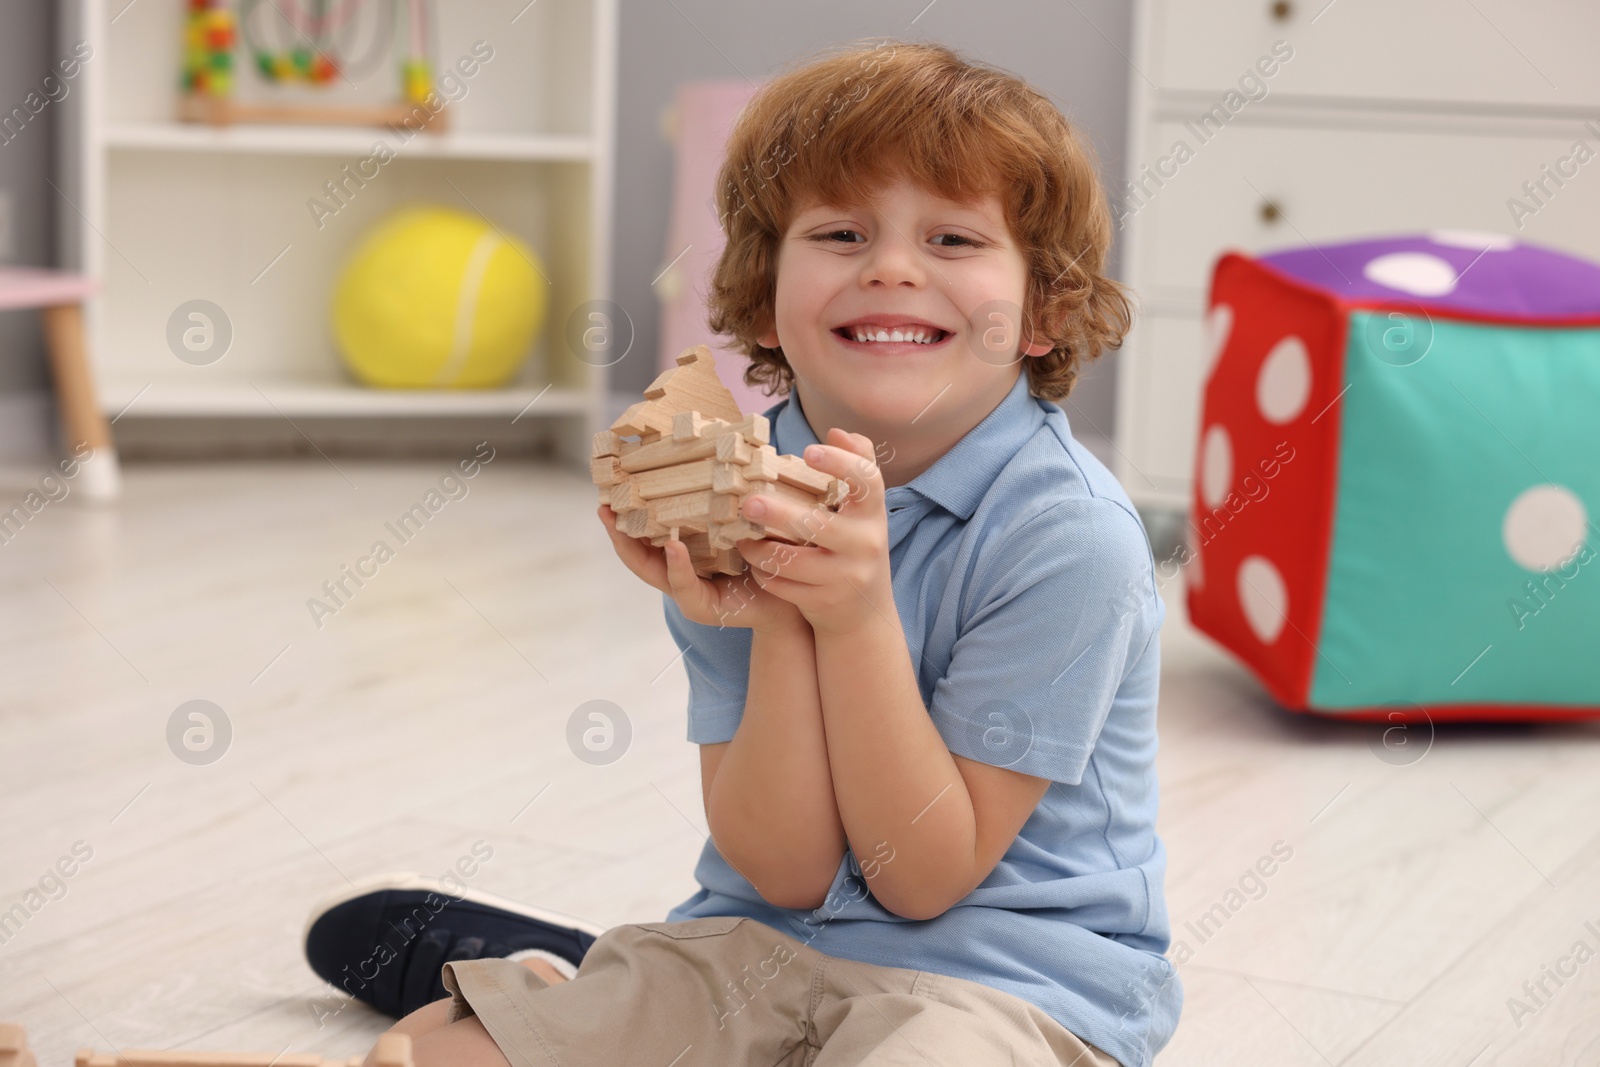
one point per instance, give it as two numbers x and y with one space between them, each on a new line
693 462
393 1050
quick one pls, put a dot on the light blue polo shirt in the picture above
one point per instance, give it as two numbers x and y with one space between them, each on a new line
1026 590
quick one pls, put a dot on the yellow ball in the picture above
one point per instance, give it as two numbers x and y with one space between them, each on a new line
437 298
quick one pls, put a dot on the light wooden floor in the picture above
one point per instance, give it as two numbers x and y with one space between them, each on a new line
430 712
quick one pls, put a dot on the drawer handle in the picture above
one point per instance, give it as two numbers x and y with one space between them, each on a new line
1281 10
1270 212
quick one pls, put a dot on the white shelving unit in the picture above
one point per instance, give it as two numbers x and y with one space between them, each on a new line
164 212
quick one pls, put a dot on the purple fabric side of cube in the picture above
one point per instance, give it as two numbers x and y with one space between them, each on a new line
1521 282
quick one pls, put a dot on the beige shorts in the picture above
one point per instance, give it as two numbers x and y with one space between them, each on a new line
729 991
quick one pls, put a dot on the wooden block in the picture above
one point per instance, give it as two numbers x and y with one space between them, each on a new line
674 480
755 428
391 1050
728 478
693 385
725 534
665 453
14 1051
693 540
688 425
642 418
687 509
625 498
636 523
605 470
724 508
763 465
605 495
784 491
726 561
732 448
797 472
606 443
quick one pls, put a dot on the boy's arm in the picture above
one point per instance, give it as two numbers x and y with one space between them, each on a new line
931 821
769 795
943 821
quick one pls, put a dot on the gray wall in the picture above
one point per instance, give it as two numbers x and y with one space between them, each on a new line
27 49
1073 51
1076 58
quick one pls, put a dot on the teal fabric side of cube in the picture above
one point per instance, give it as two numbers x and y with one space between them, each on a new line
1424 602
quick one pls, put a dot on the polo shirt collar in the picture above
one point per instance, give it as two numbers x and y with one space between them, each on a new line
958 480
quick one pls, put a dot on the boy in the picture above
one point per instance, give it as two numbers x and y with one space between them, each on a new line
927 730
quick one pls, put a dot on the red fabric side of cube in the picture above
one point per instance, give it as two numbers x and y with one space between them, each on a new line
1275 508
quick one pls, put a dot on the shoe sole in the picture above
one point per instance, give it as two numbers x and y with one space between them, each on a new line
406 880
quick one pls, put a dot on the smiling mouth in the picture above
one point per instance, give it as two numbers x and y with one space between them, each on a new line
878 337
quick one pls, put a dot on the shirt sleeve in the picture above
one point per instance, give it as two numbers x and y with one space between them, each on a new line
1061 609
717 661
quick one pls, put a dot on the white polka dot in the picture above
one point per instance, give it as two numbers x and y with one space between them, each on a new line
1216 466
1219 324
1417 273
1544 526
1263 597
1477 240
1284 384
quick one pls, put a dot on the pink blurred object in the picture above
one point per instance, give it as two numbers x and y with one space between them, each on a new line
38 287
703 117
59 296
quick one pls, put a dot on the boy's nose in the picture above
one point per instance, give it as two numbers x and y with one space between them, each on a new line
894 261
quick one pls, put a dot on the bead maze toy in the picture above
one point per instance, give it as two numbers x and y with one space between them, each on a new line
313 56
393 1050
694 463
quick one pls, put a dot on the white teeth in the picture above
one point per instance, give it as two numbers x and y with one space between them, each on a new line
917 334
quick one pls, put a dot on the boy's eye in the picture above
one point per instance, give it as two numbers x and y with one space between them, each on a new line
849 235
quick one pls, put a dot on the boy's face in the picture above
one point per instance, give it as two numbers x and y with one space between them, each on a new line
908 257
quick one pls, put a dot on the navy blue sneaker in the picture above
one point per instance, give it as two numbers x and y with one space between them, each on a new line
384 940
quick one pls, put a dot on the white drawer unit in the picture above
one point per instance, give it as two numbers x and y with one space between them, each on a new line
1488 54
1259 126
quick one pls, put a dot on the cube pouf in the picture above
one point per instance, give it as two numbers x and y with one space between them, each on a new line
1398 477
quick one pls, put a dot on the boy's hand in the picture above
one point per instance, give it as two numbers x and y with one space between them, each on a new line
737 600
838 575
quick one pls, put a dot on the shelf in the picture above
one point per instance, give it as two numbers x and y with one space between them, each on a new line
530 145
349 141
268 397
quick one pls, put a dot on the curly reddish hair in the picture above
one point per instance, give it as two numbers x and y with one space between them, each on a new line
853 120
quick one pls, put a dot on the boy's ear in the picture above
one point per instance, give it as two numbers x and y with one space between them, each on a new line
769 339
1040 349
